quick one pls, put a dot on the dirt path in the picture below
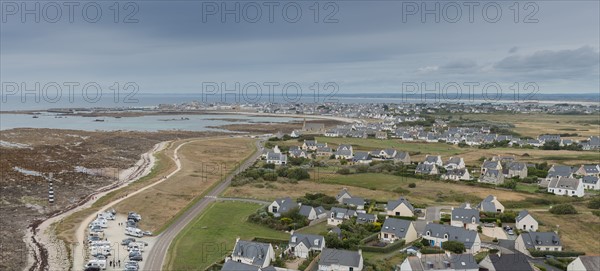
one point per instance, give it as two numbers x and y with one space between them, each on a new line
79 255
46 252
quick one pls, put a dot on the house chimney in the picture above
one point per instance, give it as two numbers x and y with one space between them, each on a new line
360 252
292 232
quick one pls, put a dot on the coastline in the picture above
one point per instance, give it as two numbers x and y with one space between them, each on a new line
40 239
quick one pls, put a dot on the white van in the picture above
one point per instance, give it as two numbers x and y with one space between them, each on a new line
100 243
135 232
100 250
96 263
106 215
135 246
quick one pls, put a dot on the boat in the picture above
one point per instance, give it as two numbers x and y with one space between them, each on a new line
99 120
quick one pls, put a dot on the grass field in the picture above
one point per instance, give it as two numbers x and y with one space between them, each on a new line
536 124
204 163
211 236
316 229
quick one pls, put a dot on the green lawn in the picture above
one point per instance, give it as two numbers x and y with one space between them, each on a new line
211 236
530 188
376 181
315 229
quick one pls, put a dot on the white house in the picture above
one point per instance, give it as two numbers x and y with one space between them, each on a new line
340 260
457 175
312 213
394 229
566 186
433 160
545 241
490 204
400 207
439 262
281 206
525 221
437 234
588 170
585 263
338 215
253 253
467 218
276 158
591 182
302 245
344 152
455 162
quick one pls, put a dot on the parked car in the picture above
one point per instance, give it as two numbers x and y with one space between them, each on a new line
510 232
147 233
135 256
126 241
489 225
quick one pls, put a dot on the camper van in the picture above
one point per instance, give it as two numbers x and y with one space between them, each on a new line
96 263
135 232
106 215
100 243
101 222
100 250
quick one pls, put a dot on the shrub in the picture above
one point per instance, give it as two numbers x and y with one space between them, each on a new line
271 177
454 246
298 174
596 213
412 185
563 209
269 166
543 253
594 203
344 171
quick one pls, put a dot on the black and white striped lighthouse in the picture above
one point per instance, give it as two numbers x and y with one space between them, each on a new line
50 190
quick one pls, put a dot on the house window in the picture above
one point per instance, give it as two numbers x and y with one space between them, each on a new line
274 209
397 213
351 269
385 235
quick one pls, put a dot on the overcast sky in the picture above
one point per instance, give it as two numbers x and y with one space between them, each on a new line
372 48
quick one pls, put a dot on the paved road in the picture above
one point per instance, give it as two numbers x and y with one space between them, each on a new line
157 255
244 200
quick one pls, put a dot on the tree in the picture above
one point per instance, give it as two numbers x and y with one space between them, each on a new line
454 246
298 174
271 177
563 209
412 185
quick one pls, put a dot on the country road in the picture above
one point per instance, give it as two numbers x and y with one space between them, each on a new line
157 255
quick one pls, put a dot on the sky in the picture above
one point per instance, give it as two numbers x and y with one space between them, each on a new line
167 47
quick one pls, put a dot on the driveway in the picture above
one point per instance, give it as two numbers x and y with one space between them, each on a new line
495 232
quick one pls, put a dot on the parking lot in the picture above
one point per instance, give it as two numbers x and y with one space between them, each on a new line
114 234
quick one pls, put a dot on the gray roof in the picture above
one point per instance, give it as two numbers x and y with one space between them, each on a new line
487 204
285 204
364 218
565 183
590 262
462 235
330 256
342 213
465 215
560 171
319 210
237 266
490 164
590 180
521 215
401 155
532 239
510 262
398 227
391 205
454 160
431 158
492 173
355 201
517 166
358 156
305 210
252 250
590 169
424 168
439 261
342 193
307 239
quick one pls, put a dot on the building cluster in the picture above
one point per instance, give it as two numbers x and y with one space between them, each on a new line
398 226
